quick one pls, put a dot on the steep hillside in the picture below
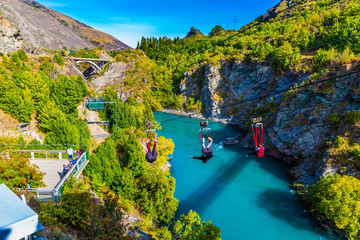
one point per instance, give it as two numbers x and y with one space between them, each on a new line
95 37
28 25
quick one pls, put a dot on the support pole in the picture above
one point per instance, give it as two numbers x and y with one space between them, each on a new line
85 112
115 116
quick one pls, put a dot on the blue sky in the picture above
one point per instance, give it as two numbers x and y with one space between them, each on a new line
130 20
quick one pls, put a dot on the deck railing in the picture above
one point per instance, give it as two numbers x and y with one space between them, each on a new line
75 172
55 194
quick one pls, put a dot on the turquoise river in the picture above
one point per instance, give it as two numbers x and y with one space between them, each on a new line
247 197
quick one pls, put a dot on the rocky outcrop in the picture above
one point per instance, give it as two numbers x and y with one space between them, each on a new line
93 36
296 125
10 36
34 26
194 32
40 30
272 12
113 77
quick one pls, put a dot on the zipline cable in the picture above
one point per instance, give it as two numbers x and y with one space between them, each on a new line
268 95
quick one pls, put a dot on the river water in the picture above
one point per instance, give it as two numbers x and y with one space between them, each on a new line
247 197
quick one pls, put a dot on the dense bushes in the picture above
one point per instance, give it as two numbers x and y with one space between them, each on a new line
17 171
338 198
129 114
120 164
68 92
97 218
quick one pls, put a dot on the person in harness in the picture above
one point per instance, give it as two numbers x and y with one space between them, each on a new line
257 129
259 151
150 155
207 152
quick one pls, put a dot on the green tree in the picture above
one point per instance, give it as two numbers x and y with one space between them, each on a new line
215 30
192 227
338 198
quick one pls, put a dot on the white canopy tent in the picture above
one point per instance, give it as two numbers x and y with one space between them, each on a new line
17 220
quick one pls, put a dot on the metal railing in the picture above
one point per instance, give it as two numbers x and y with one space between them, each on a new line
55 194
75 172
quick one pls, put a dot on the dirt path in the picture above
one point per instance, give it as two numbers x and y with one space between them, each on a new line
95 129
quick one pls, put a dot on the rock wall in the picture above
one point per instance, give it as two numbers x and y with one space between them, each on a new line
39 30
296 126
10 36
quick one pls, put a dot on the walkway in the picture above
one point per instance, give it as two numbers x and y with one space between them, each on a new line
53 169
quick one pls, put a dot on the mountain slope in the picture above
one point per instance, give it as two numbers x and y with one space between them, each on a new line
43 28
93 36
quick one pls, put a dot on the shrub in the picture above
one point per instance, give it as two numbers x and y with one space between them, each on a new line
353 117
337 197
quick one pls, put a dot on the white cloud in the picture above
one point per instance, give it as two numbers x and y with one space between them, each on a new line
129 33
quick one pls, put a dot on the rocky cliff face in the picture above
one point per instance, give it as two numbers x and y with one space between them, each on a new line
93 36
27 24
10 36
194 32
296 125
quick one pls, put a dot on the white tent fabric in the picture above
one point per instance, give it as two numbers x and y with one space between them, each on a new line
17 220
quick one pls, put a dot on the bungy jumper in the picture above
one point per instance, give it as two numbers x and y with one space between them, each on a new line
207 152
150 155
258 130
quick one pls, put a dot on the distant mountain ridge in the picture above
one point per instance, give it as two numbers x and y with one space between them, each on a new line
194 32
44 28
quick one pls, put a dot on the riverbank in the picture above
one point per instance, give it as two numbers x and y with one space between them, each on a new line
197 115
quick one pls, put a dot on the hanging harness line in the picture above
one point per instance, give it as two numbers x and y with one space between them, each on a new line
204 130
207 151
150 155
258 131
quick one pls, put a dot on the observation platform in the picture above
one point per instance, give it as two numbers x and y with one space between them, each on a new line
53 169
52 166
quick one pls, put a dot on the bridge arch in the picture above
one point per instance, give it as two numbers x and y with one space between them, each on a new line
92 64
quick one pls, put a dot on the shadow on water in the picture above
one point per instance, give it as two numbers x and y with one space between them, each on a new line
273 166
207 193
283 205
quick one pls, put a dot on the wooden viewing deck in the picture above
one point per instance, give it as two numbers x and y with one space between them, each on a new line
53 169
